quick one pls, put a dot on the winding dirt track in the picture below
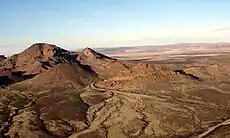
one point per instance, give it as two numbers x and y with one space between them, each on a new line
202 135
94 87
226 122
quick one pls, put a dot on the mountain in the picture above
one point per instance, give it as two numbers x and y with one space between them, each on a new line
101 64
38 58
89 54
30 60
42 58
62 76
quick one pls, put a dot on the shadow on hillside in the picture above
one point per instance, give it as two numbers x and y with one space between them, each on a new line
15 77
187 74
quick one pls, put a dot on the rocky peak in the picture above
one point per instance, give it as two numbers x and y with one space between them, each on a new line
88 53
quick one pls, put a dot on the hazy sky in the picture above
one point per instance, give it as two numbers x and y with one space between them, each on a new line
107 23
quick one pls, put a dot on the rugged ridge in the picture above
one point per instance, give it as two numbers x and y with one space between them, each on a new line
29 60
101 64
90 54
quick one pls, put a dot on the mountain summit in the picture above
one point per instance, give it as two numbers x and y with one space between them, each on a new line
90 54
101 64
29 60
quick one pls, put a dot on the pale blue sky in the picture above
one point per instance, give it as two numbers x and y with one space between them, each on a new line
73 24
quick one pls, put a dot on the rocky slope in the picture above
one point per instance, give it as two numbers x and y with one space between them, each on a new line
36 59
30 60
64 75
101 64
144 78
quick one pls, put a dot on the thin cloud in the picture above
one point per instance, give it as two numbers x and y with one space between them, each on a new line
222 29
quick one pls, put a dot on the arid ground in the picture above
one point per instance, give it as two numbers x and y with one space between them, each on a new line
170 91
